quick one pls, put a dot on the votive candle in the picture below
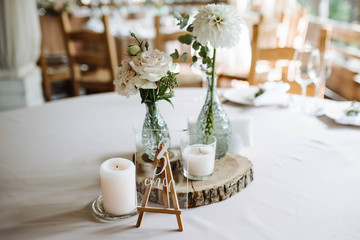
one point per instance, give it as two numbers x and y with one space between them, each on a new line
199 159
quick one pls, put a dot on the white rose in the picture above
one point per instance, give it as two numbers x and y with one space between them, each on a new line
151 65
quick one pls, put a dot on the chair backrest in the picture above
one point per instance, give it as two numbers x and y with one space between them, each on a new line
53 59
96 50
281 53
299 22
292 29
344 46
343 78
266 54
53 72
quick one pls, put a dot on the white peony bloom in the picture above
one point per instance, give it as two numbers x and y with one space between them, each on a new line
124 83
151 65
220 25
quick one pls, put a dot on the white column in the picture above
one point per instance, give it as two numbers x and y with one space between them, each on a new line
20 39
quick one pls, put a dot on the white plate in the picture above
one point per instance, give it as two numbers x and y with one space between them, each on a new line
336 111
241 95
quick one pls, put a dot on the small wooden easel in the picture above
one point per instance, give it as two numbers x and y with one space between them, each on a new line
167 176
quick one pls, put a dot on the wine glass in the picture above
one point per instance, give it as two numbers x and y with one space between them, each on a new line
324 73
306 66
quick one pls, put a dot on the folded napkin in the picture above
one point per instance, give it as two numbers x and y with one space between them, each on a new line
273 93
349 120
351 115
241 132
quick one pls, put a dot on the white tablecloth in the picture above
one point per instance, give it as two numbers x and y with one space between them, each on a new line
306 173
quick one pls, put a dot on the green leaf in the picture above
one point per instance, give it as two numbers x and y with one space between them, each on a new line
196 45
186 39
190 28
162 90
203 51
169 101
184 57
261 91
177 15
194 59
184 22
202 54
166 96
206 60
175 55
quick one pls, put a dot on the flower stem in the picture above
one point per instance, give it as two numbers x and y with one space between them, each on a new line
210 113
213 72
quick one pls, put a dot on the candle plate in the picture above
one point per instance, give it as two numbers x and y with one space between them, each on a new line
99 211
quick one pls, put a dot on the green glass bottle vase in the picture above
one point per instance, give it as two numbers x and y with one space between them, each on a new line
213 120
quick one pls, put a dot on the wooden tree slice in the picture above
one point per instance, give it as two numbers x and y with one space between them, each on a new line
231 175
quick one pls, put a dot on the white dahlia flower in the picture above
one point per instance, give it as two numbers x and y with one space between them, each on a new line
220 25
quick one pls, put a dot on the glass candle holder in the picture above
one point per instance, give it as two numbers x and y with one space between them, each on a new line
198 156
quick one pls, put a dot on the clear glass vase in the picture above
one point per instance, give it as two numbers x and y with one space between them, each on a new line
213 121
154 129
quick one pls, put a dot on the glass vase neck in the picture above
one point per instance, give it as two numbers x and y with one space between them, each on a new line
211 89
151 106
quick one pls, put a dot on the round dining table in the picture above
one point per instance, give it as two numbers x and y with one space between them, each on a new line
306 173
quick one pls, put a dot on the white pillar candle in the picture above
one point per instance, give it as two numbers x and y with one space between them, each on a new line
199 159
118 187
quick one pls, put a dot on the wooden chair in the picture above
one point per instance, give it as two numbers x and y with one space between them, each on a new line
53 72
292 29
272 55
92 56
342 83
186 78
53 60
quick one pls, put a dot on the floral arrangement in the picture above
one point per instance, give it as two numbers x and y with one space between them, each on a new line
148 71
151 73
214 26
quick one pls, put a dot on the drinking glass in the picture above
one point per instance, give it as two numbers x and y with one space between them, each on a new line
306 66
324 73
